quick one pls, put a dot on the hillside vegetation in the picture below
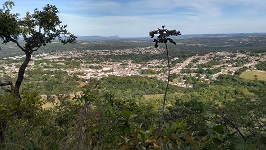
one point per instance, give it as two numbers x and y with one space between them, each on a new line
114 114
111 98
203 92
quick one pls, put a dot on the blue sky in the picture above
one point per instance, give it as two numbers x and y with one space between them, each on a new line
135 18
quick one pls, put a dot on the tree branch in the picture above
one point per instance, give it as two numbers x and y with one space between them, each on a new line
235 127
15 41
35 49
5 83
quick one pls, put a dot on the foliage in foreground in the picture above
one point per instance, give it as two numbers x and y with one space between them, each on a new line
225 115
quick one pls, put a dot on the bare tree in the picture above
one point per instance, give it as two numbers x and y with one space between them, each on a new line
163 37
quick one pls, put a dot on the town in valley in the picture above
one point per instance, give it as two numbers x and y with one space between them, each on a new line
144 60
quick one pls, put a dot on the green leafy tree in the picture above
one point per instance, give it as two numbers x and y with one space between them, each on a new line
37 30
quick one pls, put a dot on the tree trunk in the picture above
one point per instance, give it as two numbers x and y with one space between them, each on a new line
16 90
166 90
3 126
21 75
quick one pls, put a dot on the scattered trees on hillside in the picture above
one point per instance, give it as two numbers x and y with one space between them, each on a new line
261 66
227 114
112 113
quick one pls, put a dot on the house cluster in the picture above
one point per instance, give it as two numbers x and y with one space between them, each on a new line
130 68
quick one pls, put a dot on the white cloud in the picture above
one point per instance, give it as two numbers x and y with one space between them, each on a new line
138 17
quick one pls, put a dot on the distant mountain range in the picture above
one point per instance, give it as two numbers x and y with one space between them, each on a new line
117 38
98 38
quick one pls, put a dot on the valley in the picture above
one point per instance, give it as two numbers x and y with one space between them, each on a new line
188 68
217 84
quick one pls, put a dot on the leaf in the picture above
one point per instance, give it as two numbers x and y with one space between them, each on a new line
141 136
124 147
148 142
217 141
143 148
156 145
203 133
133 116
219 129
174 136
205 138
91 142
237 142
126 114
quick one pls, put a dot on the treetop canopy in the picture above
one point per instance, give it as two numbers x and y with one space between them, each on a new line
36 29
